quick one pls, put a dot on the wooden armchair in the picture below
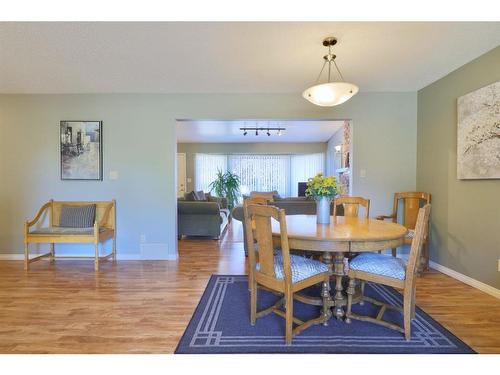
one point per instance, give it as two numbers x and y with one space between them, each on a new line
104 228
351 206
412 201
387 270
281 273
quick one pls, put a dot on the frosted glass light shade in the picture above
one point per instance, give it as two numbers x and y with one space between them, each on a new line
330 94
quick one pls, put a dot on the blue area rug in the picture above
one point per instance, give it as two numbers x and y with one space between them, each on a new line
221 324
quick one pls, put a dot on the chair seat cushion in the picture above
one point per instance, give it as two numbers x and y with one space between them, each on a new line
66 231
302 268
379 264
410 234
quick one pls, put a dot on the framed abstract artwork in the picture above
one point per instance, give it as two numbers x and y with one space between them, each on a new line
81 150
478 143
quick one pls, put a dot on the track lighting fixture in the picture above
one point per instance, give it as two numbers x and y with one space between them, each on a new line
266 130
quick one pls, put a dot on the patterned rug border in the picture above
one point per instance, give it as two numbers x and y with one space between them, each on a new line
213 279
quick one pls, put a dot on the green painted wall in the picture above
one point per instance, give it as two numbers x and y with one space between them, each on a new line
139 138
190 149
465 232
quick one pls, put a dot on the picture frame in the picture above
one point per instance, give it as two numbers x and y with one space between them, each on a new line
80 150
478 141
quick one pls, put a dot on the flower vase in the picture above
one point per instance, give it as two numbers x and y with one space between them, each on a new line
323 210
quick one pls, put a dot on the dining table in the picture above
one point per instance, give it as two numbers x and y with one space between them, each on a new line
334 243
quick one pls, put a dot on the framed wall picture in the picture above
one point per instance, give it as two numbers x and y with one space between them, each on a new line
81 150
478 144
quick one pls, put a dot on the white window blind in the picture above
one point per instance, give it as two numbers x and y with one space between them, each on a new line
262 172
206 167
304 167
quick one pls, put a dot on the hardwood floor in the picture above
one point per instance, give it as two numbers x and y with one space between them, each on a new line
144 306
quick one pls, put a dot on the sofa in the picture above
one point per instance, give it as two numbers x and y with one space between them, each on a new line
292 206
206 217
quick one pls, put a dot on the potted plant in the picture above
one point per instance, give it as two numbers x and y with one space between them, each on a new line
226 185
323 189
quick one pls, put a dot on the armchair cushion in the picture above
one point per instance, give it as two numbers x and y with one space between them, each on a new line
77 216
379 264
302 268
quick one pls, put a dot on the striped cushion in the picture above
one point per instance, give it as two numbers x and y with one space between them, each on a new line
66 231
411 233
379 264
302 268
77 216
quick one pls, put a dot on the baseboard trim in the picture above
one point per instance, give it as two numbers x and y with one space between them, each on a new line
461 277
492 291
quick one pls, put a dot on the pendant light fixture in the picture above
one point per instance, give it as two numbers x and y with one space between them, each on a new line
331 93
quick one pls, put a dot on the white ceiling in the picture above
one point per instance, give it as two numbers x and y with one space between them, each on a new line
215 57
301 131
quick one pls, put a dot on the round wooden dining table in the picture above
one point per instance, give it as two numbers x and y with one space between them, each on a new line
335 241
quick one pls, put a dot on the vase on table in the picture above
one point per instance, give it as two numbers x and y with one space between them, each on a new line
323 210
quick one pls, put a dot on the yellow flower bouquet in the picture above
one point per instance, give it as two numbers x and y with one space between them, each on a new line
323 189
322 186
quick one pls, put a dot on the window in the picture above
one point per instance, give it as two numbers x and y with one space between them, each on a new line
262 172
304 167
206 167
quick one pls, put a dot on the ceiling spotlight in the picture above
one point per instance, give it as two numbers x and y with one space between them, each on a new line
245 132
268 134
256 132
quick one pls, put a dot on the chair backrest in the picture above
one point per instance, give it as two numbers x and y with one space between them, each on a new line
421 231
413 200
105 212
260 242
269 195
351 206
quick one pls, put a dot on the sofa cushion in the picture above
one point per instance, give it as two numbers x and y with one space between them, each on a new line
199 196
77 216
65 231
190 197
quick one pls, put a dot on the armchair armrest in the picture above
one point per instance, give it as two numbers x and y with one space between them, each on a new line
30 223
105 216
221 201
383 217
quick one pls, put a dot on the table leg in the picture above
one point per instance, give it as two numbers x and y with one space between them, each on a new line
338 271
325 291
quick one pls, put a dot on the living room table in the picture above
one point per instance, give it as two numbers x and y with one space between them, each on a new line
344 235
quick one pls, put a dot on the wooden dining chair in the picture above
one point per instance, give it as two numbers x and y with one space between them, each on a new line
351 206
247 201
412 201
280 272
387 270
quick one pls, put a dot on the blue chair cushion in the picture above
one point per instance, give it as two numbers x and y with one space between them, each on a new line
302 268
379 264
411 233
